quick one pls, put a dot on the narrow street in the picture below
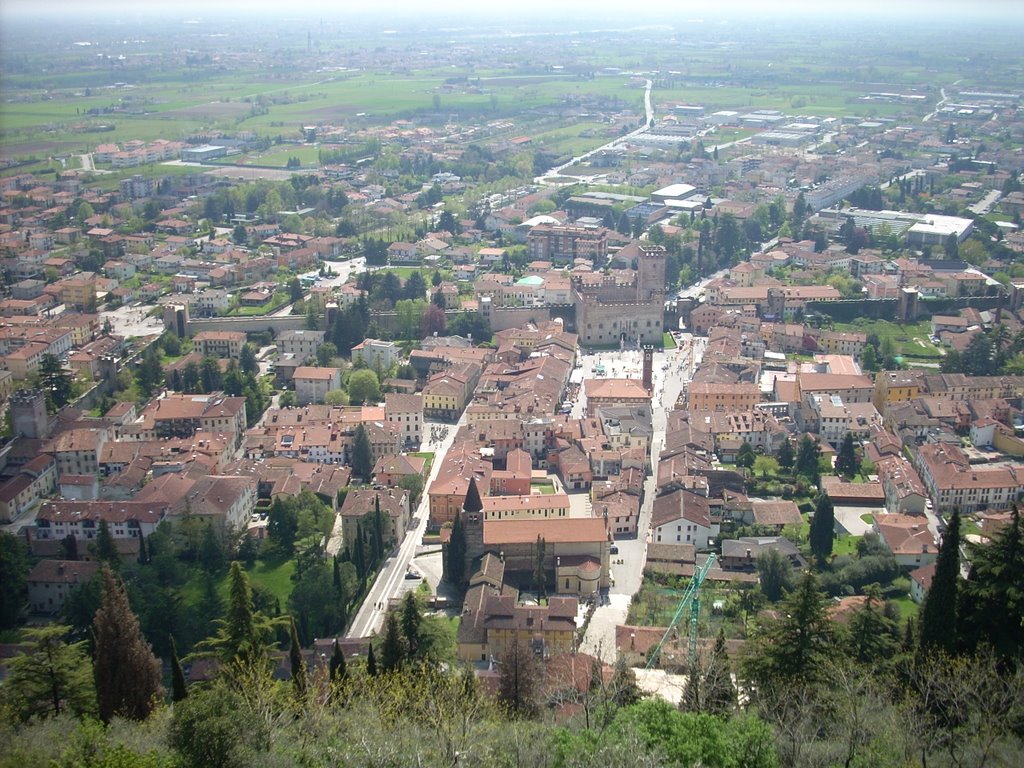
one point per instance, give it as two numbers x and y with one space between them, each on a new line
550 176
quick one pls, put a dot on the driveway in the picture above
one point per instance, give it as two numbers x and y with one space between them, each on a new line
848 519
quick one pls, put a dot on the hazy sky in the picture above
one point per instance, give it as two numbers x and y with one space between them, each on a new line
649 11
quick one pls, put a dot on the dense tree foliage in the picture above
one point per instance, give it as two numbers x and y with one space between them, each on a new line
126 671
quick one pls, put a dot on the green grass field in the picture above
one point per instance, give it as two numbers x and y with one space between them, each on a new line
910 339
429 456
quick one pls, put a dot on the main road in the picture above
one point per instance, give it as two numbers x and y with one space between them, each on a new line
550 176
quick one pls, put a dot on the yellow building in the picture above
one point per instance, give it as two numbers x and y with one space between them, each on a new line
79 291
896 387
707 396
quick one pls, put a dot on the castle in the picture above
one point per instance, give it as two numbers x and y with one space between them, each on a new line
631 310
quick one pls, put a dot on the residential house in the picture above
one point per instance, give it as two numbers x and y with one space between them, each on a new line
313 383
51 582
303 344
682 517
220 344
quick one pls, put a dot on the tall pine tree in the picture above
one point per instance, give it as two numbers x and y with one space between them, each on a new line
126 671
993 594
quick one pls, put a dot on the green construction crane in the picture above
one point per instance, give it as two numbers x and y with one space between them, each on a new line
691 598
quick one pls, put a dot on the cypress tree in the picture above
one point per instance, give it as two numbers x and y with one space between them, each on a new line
359 558
240 621
539 574
519 681
69 548
411 621
362 454
298 664
105 548
126 671
392 648
822 528
846 460
338 667
719 692
378 531
371 662
143 555
179 690
938 626
786 456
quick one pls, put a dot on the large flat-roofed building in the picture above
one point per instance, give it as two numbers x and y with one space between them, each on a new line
302 343
202 153
673 192
934 229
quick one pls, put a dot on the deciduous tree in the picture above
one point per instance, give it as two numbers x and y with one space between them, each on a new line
519 681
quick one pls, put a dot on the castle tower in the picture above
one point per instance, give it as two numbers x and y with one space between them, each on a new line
648 370
28 414
650 280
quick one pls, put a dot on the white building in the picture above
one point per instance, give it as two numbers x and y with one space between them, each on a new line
684 517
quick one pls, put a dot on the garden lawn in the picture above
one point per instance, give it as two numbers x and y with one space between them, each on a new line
845 545
907 607
276 577
429 456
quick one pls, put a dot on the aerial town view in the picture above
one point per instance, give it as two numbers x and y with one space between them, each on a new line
558 385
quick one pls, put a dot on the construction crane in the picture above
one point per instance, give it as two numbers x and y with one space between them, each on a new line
691 599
